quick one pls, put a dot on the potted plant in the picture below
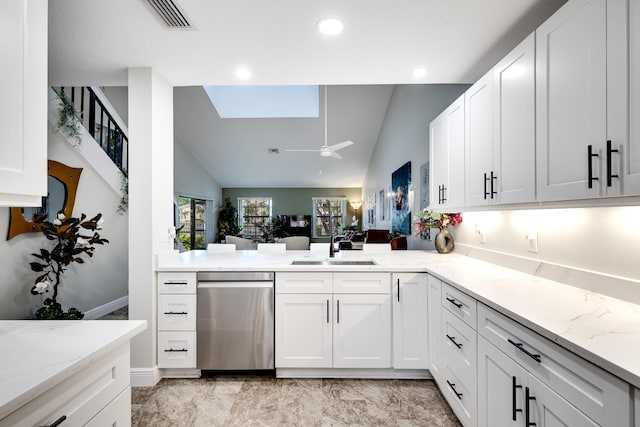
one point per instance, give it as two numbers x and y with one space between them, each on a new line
428 219
70 245
228 220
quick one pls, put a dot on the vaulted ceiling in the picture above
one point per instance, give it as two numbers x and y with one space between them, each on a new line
95 41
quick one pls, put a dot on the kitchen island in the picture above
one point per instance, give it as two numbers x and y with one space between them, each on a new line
539 324
77 369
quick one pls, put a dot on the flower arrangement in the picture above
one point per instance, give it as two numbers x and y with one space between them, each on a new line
428 219
70 245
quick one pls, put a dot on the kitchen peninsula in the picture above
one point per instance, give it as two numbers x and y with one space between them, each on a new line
556 328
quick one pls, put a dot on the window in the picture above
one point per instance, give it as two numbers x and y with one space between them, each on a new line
191 217
252 213
328 212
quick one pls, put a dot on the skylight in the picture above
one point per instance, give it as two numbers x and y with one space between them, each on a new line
243 102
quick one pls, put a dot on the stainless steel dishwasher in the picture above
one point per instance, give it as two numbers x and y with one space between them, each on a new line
235 323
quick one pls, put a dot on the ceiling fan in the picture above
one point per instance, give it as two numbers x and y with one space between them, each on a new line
328 150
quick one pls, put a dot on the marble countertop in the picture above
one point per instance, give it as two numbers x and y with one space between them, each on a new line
38 354
600 329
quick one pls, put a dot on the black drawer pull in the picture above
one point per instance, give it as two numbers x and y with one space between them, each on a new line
527 411
520 347
453 340
176 282
175 312
514 387
453 387
590 154
57 422
610 175
454 302
172 350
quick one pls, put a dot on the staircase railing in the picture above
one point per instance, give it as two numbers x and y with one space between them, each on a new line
104 125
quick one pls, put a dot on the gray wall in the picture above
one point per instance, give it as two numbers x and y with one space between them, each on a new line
405 137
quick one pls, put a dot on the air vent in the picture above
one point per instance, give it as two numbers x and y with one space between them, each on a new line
170 13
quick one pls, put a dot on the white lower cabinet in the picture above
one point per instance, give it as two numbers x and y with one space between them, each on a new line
410 320
434 326
333 330
508 395
99 394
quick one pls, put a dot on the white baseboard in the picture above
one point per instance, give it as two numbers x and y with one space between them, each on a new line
180 373
145 377
353 373
103 310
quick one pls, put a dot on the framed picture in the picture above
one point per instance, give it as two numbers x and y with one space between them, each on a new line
400 211
424 186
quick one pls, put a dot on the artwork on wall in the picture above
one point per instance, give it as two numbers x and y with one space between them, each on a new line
381 200
424 186
400 211
371 210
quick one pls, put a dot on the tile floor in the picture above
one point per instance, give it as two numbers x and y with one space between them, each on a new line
263 401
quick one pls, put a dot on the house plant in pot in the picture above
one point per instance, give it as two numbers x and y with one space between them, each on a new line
428 219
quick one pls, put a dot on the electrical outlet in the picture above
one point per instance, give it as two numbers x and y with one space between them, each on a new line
532 241
482 235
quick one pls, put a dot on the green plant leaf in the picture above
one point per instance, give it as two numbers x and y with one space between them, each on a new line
36 266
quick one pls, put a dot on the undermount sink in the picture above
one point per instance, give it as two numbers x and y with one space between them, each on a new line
333 262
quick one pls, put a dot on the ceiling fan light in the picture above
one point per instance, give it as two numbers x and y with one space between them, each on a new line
330 26
325 153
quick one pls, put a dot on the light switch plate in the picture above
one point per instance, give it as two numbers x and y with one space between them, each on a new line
532 241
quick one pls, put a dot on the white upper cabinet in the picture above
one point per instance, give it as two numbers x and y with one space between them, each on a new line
581 100
514 125
631 153
23 102
480 179
500 131
447 157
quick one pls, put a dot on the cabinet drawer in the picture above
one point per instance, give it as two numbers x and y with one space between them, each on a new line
461 395
460 304
177 283
459 344
595 392
177 349
117 413
79 397
177 312
304 283
361 283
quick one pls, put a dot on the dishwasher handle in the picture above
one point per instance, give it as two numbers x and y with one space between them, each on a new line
234 285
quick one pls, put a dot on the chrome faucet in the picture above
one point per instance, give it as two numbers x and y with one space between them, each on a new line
332 249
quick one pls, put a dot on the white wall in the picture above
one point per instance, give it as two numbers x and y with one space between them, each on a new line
405 137
100 280
600 239
191 179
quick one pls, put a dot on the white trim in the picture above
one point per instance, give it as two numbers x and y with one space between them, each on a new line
180 373
98 312
353 373
145 377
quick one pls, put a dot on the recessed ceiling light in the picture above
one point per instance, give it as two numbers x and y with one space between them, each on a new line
243 73
330 26
419 72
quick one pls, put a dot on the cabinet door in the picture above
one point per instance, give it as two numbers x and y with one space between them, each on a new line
410 323
456 171
23 102
435 329
362 331
631 153
439 153
571 100
500 388
303 331
514 124
479 142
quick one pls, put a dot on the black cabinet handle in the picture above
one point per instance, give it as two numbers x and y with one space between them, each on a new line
453 340
453 388
591 154
527 411
520 347
172 350
514 386
175 312
444 194
486 193
439 194
176 282
454 302
398 290
493 177
327 311
610 176
338 316
57 422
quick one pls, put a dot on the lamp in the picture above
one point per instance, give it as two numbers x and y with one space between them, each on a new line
355 205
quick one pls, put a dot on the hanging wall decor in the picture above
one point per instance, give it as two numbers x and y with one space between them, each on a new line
400 208
424 186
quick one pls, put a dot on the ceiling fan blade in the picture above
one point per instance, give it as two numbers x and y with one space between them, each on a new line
340 145
336 155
